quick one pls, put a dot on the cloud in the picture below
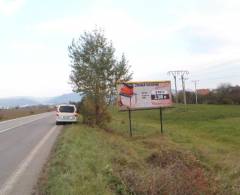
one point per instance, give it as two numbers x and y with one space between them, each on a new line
219 22
194 38
10 7
209 34
26 47
128 34
197 41
118 25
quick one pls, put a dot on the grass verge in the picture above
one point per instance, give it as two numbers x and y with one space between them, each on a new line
198 154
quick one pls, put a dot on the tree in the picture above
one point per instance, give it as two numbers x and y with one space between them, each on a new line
95 72
223 92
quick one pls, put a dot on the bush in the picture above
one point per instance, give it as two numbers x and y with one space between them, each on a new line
31 112
87 108
227 101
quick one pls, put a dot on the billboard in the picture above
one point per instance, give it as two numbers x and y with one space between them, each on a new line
144 95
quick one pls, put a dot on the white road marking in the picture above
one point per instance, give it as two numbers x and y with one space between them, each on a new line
19 125
11 181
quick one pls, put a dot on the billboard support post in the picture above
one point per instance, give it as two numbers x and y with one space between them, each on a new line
130 122
161 120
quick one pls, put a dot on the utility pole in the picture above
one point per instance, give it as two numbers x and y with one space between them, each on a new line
180 73
183 87
196 94
174 74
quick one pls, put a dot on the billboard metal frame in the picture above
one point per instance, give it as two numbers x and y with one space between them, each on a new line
149 108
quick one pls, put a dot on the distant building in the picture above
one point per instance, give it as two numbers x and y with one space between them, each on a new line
203 91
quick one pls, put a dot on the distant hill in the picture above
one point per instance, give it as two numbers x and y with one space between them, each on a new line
65 98
31 101
17 101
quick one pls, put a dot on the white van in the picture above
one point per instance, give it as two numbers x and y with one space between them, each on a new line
66 113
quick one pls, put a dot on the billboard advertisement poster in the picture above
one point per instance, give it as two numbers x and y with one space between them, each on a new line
144 95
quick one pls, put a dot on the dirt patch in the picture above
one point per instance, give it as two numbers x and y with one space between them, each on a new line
166 172
164 158
108 130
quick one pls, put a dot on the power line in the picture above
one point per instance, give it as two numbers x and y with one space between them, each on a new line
216 78
230 69
219 65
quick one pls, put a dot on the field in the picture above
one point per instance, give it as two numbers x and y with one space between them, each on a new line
198 153
20 112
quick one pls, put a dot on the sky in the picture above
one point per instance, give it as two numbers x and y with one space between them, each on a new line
156 36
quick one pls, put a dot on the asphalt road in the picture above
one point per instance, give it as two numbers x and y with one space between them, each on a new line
25 144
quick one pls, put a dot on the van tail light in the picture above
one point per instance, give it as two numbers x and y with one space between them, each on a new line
57 114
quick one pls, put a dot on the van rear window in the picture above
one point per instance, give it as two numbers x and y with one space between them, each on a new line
69 109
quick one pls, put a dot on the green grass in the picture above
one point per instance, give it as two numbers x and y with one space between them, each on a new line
211 132
201 140
78 164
